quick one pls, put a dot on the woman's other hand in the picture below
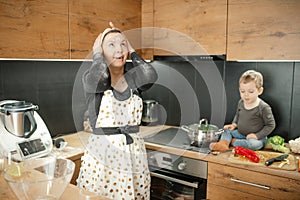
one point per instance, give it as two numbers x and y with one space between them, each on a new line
130 48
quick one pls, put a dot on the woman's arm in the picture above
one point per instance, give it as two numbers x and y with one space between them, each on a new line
96 78
143 74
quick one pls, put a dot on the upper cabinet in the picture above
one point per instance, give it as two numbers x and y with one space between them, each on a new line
263 30
88 18
34 29
67 29
61 29
181 27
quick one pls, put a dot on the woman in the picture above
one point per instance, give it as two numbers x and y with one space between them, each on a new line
114 164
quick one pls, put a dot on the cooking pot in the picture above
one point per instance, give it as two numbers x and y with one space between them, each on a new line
17 117
201 134
150 112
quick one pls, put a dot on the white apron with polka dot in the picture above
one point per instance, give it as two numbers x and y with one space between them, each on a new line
109 167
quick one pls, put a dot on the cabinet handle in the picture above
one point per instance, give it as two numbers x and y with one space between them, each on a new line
168 178
248 183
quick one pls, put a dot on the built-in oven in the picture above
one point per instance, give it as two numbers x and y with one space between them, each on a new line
176 177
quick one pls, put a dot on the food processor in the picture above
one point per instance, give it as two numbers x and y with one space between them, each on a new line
23 132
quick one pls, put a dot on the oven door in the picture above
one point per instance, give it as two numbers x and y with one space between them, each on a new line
167 184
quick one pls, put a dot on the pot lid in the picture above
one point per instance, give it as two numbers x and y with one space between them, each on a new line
17 106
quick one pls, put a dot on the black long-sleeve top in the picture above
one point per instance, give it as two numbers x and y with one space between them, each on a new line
96 80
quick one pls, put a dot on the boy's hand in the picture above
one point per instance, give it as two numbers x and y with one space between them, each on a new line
229 126
251 135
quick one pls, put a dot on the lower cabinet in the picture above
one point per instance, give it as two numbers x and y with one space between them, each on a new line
225 182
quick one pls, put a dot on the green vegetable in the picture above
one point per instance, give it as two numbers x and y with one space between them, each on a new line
276 140
277 144
280 148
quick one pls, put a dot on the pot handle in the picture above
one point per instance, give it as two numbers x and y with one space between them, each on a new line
219 132
185 128
29 114
203 120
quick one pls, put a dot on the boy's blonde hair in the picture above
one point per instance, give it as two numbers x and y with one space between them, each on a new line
252 75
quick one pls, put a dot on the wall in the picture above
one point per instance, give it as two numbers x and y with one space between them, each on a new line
50 85
281 91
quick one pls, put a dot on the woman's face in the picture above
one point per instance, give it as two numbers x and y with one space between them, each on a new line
115 49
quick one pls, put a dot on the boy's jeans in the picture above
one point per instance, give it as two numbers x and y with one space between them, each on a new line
241 140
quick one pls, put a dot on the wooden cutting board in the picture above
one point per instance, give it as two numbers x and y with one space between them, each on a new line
264 156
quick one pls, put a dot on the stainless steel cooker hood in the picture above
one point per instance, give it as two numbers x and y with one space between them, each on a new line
190 58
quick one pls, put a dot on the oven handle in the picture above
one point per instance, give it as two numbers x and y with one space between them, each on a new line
186 183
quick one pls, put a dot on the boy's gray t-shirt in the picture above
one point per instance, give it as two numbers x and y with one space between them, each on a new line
258 120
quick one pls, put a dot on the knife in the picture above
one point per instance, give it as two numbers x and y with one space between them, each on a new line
276 159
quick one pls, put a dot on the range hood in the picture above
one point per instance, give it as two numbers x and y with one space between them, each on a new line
190 57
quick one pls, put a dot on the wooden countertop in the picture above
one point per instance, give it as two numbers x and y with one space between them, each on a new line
73 151
71 192
77 142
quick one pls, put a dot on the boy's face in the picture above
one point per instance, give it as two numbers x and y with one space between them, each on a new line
249 92
115 49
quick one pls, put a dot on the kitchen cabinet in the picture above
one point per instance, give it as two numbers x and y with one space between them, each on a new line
61 29
226 182
189 27
34 29
147 32
263 30
90 17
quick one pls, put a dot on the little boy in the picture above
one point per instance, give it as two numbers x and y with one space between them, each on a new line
253 120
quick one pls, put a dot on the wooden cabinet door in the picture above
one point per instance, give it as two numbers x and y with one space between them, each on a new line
237 182
263 30
88 18
34 29
190 22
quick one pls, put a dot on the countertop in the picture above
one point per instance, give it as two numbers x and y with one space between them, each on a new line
77 142
71 192
73 151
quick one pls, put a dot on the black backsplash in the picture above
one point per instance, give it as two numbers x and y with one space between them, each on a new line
187 91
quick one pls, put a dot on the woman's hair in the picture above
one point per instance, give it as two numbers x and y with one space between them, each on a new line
252 75
110 31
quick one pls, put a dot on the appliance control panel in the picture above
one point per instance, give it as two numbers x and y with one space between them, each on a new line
177 163
32 147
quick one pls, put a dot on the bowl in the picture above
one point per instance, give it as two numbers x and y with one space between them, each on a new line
39 178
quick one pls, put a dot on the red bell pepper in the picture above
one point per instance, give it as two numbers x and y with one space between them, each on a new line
248 153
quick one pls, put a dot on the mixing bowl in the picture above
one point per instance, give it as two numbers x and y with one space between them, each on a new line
40 178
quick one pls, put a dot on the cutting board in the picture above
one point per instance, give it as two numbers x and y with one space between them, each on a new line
264 156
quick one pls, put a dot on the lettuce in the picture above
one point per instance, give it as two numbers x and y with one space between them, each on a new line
276 140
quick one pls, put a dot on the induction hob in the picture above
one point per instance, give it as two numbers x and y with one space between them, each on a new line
177 138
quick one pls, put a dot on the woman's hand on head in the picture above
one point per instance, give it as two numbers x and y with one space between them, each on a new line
97 48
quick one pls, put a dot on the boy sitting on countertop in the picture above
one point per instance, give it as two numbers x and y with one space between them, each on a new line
253 120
